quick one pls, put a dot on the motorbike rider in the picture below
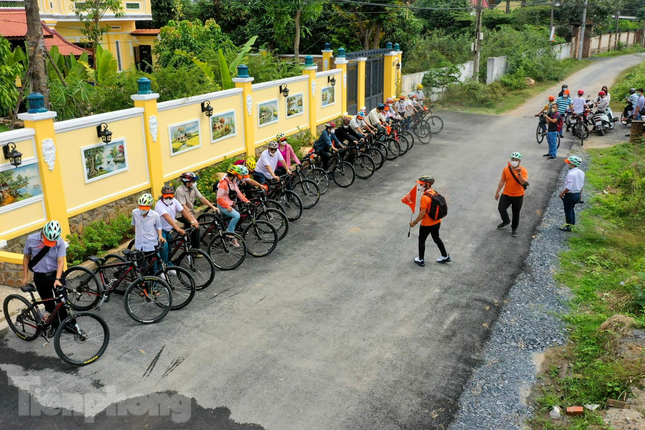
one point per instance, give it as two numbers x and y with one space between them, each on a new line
631 102
564 87
602 104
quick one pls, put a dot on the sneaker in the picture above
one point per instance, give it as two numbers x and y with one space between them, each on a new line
552 158
546 155
235 243
502 225
445 259
514 233
420 262
566 228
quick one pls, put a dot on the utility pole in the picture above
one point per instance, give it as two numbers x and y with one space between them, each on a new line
553 5
478 29
616 35
508 7
581 42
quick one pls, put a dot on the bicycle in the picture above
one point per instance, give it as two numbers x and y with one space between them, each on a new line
436 123
305 188
79 340
579 128
341 172
316 174
362 163
541 131
147 299
290 202
224 254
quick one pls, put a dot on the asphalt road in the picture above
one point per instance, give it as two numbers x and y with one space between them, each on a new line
337 329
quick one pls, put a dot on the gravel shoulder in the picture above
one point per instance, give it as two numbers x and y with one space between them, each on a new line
528 325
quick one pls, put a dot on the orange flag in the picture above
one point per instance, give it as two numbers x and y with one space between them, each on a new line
410 198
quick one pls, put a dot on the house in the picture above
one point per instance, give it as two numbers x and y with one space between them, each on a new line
128 44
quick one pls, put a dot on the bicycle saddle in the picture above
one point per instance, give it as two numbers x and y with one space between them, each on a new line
29 288
97 260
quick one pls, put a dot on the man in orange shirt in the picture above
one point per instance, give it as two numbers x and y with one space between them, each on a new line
429 226
514 181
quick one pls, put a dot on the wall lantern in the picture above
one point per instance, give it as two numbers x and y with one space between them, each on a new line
284 90
331 80
207 108
398 66
12 154
103 132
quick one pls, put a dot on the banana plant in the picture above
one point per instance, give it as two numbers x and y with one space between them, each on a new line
105 66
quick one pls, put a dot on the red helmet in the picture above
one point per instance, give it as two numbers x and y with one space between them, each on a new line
581 92
551 98
602 93
330 125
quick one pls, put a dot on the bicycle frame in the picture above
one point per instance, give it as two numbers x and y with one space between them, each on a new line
43 322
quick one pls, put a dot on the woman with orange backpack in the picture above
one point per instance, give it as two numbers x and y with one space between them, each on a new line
433 208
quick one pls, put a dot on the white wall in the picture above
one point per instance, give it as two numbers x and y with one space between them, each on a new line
410 81
562 51
495 69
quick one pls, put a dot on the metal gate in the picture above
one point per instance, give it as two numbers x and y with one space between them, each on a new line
373 79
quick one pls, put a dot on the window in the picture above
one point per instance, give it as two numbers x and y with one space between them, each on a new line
118 56
133 6
115 27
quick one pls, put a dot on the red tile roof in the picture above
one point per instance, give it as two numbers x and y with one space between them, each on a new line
13 25
146 32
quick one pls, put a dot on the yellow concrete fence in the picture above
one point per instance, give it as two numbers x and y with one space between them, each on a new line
71 167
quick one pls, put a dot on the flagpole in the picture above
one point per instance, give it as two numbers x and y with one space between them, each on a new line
409 226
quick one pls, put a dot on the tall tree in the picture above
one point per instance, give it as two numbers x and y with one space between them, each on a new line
291 19
368 20
38 75
90 13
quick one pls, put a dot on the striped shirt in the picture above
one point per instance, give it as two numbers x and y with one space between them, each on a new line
563 104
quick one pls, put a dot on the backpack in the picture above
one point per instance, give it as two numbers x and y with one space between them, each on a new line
438 207
560 123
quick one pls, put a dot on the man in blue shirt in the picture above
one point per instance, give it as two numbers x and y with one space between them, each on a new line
640 104
325 144
564 103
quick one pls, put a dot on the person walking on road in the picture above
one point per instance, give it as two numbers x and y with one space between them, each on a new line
553 119
573 185
514 182
429 225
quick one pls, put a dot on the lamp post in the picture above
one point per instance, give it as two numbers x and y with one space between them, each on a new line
553 6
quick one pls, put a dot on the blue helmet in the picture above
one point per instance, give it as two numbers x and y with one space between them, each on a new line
380 106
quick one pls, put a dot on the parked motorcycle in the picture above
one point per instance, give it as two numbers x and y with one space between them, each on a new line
627 119
603 122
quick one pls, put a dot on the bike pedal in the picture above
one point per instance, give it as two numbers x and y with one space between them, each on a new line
44 344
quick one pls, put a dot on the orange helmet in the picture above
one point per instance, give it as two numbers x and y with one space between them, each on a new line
551 98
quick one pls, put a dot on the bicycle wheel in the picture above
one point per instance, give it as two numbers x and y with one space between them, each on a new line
410 137
148 300
89 340
403 144
224 254
277 219
377 157
21 317
422 131
364 166
200 266
309 193
206 232
539 133
436 124
260 238
83 291
291 203
181 283
343 174
274 204
319 176
558 137
393 149
117 272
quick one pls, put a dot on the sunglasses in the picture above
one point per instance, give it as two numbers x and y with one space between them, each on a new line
273 149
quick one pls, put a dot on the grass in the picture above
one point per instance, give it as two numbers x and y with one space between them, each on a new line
605 269
626 51
510 99
3 128
617 104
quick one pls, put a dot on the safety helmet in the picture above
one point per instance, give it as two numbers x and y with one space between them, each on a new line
412 96
565 86
425 179
188 177
581 93
576 161
330 125
380 106
167 189
250 163
516 155
280 137
632 90
346 119
402 97
243 170
566 92
602 93
419 87
145 199
386 108
273 144
389 100
360 115
551 98
234 170
51 232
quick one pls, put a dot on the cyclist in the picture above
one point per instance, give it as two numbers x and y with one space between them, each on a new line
419 94
267 163
250 165
228 191
376 118
401 105
44 254
412 107
358 125
168 207
147 225
578 105
287 153
346 133
544 110
325 144
186 194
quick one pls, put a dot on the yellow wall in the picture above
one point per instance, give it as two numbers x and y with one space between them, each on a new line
83 195
208 153
19 215
66 8
332 111
287 126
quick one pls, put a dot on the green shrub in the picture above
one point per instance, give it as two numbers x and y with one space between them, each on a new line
634 79
473 94
98 236
436 50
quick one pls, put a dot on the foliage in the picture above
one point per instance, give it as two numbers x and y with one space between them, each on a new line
367 20
634 78
291 20
442 77
471 93
9 70
208 177
91 12
98 236
266 66
436 50
191 37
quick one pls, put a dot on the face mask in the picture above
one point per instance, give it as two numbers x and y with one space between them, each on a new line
144 213
333 132
515 163
168 201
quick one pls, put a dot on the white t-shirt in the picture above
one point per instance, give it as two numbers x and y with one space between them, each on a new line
357 124
170 209
267 159
579 105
